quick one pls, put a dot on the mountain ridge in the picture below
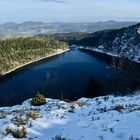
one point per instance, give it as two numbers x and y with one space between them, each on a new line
31 28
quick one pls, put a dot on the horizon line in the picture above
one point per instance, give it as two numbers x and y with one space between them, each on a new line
35 21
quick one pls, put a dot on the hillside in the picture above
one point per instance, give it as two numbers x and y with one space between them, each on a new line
17 52
27 29
123 42
102 118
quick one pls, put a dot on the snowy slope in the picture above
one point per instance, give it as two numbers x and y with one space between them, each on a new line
124 42
102 118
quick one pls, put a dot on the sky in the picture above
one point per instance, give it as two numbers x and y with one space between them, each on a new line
69 10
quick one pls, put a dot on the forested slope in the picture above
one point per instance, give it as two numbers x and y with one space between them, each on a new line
16 52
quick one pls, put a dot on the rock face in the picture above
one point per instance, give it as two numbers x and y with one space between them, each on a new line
123 42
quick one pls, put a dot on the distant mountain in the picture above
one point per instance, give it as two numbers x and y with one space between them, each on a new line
30 28
123 42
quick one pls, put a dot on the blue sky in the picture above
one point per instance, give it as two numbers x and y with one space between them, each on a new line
69 10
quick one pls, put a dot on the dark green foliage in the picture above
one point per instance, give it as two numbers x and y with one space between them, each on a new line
16 52
38 100
71 38
97 38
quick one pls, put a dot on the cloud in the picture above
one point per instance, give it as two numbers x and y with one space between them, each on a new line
56 1
34 1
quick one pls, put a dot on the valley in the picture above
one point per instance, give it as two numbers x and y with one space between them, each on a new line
91 81
69 70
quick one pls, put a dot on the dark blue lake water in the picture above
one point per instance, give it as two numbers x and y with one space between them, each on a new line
66 76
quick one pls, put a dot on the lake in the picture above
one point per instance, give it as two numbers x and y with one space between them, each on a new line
69 76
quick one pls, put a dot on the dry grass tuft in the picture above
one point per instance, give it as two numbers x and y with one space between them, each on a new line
32 115
19 133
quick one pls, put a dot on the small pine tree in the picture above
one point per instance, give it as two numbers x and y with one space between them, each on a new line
38 100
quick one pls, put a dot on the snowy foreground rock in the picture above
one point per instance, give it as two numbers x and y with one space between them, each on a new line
102 118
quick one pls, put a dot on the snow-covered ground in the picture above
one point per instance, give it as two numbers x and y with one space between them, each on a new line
101 49
102 118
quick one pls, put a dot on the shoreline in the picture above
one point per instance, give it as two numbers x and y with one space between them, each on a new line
107 53
57 52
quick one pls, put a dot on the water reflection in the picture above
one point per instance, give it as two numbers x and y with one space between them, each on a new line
94 88
72 75
124 79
